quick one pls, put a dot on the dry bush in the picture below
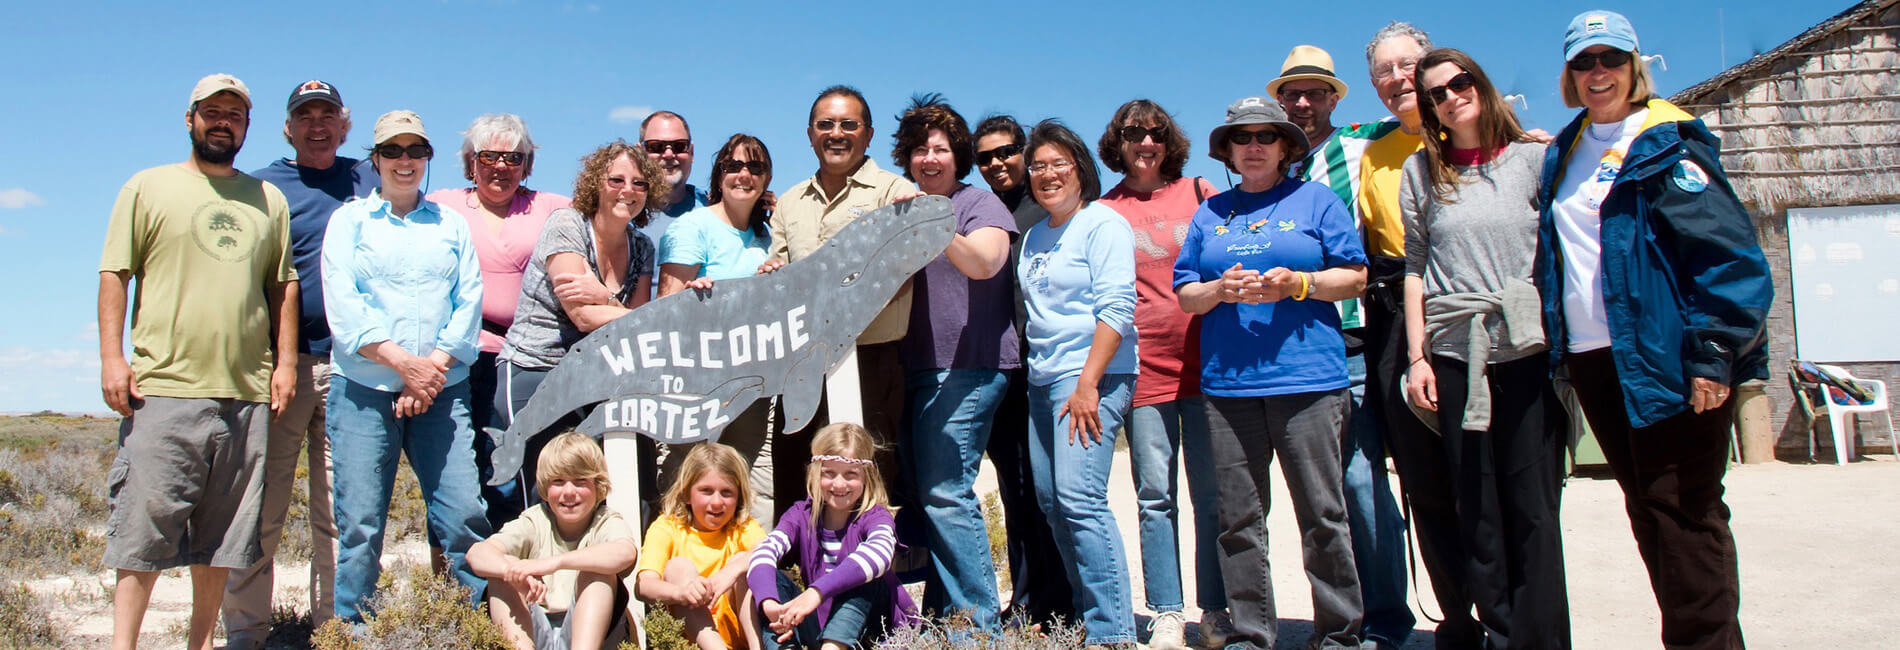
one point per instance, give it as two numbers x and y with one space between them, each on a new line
407 512
956 633
52 492
999 541
663 632
415 609
26 620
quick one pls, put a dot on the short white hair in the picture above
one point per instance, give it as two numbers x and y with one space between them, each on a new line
485 129
1396 29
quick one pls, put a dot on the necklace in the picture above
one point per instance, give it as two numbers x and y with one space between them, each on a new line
1264 198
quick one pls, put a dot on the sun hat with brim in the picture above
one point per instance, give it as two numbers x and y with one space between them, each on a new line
1598 27
395 123
1307 62
213 84
1254 110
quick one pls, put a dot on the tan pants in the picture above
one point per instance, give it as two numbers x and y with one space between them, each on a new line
248 594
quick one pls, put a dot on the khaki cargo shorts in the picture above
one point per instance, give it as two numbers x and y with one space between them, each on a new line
188 484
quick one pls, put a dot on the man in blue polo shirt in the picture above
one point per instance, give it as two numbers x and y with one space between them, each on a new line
315 183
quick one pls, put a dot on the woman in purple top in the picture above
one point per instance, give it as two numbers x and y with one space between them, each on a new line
957 354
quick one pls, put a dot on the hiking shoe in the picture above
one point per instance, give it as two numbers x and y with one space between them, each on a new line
1216 626
1167 631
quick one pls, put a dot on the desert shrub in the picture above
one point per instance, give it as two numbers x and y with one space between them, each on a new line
407 512
25 620
957 633
999 541
51 496
414 609
289 629
663 632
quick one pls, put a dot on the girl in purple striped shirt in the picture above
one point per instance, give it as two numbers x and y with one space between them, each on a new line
842 539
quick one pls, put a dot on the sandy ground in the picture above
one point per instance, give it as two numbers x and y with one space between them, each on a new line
1812 539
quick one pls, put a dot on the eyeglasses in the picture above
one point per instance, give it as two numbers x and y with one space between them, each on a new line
1132 133
1312 95
657 147
616 182
827 124
1394 69
1457 84
1004 152
392 151
757 167
510 158
1243 138
1611 60
1056 167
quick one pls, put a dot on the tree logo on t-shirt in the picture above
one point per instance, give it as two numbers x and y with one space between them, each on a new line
222 230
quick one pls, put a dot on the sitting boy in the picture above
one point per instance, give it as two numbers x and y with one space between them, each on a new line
555 573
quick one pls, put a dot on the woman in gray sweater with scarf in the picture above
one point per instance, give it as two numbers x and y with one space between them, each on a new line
1476 339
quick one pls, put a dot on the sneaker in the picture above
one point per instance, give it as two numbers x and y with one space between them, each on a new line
1216 626
1167 631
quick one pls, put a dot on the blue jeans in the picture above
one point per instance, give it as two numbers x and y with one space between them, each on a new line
365 438
856 618
951 415
1378 528
1072 487
1157 434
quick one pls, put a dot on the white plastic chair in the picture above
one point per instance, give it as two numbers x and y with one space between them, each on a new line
1840 416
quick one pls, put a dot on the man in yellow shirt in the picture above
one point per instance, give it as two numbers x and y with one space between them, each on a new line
216 293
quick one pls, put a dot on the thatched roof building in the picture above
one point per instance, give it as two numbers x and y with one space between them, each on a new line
1814 122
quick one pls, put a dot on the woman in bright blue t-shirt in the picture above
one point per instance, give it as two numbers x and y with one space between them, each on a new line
1264 262
727 238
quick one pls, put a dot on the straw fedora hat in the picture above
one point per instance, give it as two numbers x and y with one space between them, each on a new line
1307 62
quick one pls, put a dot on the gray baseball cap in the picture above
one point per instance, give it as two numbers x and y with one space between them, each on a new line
1254 110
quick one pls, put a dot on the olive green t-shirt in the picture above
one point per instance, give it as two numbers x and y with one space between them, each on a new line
202 249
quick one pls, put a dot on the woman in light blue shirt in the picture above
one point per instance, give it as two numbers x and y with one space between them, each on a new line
727 238
1077 277
402 291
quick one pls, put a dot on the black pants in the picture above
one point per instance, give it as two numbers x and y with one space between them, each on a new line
1040 587
1671 475
1419 455
1507 482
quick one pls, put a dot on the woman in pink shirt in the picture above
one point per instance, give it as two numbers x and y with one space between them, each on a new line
505 220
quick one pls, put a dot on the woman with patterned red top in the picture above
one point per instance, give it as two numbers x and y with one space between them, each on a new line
1143 142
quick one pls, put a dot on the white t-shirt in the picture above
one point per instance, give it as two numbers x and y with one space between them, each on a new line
1588 174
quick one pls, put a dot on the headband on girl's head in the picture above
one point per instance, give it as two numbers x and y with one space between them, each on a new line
841 459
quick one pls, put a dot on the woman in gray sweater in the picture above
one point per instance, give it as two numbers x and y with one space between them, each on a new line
1475 335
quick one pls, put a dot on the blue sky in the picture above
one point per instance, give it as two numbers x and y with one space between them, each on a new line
96 91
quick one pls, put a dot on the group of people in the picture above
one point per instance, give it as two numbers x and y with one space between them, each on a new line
1409 286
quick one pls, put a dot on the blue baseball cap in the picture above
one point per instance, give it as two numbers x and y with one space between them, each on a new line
1598 27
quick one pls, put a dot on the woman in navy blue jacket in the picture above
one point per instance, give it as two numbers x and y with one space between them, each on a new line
1654 294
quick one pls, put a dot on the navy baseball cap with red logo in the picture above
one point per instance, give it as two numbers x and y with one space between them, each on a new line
314 89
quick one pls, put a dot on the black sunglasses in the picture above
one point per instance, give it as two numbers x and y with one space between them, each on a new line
393 151
827 124
1312 95
1134 134
510 158
1458 83
1004 152
1611 60
657 147
1243 138
757 167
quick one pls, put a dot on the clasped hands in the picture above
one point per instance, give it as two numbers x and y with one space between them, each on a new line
422 379
1251 287
784 618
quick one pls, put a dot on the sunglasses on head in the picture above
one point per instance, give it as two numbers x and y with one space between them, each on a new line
657 147
1458 83
616 182
757 167
827 124
1134 134
1611 60
510 158
1004 152
392 151
1239 137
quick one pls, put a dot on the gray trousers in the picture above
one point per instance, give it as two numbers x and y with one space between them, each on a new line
1308 431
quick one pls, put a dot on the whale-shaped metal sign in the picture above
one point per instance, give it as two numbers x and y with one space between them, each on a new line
679 368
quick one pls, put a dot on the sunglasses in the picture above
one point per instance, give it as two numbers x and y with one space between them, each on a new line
1238 137
1132 133
757 167
827 124
1004 152
616 182
1611 60
1312 95
1458 83
657 147
510 158
393 151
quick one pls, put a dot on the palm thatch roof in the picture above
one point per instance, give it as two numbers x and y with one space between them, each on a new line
1816 120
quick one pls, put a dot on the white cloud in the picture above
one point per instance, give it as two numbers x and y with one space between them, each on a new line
629 114
20 359
88 333
14 198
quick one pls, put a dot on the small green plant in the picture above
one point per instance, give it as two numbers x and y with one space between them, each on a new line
663 631
414 609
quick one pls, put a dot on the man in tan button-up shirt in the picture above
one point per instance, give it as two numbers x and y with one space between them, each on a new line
847 186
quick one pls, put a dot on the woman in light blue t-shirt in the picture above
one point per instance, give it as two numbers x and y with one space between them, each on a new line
1077 276
727 238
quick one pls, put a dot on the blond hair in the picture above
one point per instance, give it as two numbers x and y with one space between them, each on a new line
709 457
572 455
1642 87
847 440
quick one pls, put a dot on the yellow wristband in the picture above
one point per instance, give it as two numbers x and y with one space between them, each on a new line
1306 284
